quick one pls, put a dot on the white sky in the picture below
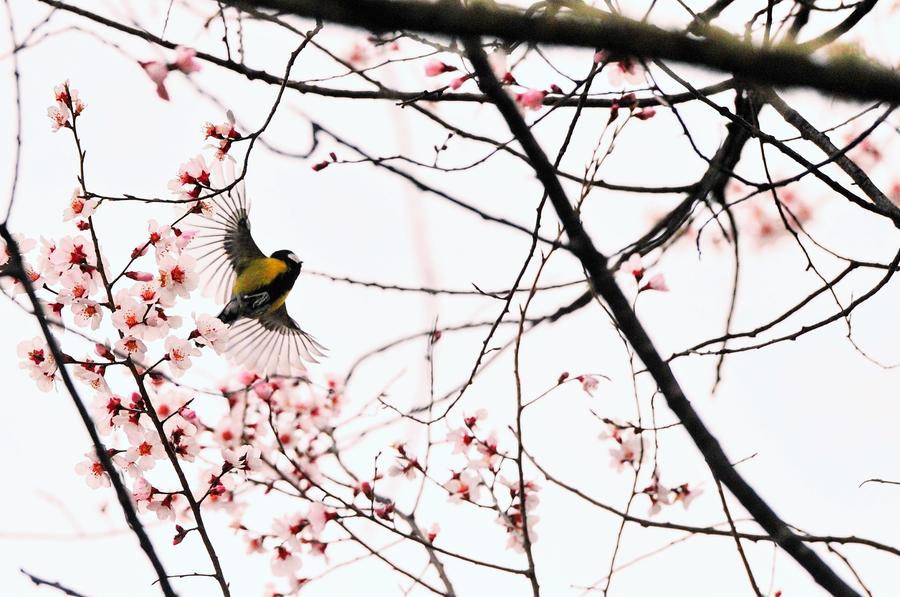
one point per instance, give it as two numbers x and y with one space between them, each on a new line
818 416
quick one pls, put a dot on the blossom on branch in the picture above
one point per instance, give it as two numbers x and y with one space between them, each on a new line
38 361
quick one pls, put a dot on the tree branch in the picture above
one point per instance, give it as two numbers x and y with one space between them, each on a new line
102 455
581 245
783 65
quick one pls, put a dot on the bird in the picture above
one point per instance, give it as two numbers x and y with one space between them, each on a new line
254 287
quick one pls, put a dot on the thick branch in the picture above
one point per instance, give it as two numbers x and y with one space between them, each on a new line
382 93
784 65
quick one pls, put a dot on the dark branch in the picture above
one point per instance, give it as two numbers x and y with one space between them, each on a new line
784 65
581 245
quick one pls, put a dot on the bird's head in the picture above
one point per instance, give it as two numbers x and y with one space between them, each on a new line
288 257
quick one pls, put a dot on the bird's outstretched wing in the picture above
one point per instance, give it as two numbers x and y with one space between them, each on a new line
224 245
273 344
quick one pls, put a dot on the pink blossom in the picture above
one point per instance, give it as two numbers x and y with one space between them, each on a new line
87 313
490 456
686 495
67 96
658 494
160 323
645 114
589 384
359 53
284 563
264 390
79 207
533 99
129 315
212 331
461 440
185 60
25 245
157 71
132 346
38 361
246 378
15 287
182 436
634 266
148 292
93 472
162 238
141 490
656 282
92 375
464 485
245 458
433 532
142 455
177 278
75 284
193 175
179 354
70 252
627 449
318 517
183 238
169 402
59 116
471 420
164 505
228 431
625 70
406 465
104 409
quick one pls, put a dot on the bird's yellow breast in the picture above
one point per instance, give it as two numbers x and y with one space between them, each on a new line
258 274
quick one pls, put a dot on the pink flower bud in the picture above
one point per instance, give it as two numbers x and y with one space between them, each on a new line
645 114
157 71
435 67
533 99
458 81
656 282
247 378
184 60
140 276
264 390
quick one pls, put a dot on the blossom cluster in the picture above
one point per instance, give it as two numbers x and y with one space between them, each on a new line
184 61
251 435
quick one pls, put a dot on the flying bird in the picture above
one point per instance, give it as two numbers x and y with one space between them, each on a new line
254 287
